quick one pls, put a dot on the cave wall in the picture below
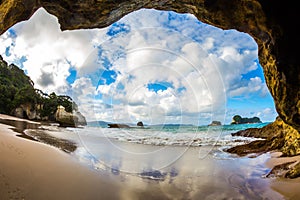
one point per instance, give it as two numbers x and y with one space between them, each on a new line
271 23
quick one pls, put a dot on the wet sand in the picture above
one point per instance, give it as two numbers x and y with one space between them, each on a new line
289 188
33 170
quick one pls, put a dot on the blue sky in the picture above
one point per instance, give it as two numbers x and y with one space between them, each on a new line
154 66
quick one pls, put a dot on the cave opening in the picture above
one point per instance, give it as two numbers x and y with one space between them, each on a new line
153 66
25 116
164 67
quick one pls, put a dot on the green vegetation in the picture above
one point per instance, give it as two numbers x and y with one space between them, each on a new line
16 89
237 119
50 103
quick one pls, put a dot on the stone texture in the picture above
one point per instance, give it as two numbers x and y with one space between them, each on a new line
293 171
66 119
277 136
18 112
282 170
27 111
271 23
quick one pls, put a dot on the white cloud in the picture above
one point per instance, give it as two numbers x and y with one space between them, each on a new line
202 63
254 86
49 51
85 95
266 114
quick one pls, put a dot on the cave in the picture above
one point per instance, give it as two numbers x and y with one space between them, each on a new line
25 116
271 24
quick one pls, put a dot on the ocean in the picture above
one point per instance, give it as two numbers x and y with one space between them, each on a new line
173 161
104 148
173 134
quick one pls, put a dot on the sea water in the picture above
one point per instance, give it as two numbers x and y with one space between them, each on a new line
173 134
174 161
154 147
99 145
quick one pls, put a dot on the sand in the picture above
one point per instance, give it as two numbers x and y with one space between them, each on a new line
289 188
33 170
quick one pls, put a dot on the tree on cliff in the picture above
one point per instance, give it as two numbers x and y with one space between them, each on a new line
26 94
51 102
16 89
237 119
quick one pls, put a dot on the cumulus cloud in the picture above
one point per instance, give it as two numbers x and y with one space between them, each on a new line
254 86
266 114
84 94
49 52
46 79
202 66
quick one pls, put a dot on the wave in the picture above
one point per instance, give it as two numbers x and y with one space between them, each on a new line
174 135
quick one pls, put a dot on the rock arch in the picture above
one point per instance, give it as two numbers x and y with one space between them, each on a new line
268 22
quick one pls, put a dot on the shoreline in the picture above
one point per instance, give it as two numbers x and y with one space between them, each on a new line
34 170
289 188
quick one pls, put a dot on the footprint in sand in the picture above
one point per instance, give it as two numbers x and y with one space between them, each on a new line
7 191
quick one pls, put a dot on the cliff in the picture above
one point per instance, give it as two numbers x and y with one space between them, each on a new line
18 97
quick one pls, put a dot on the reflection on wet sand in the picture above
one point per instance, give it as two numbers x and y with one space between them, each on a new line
34 132
200 173
20 126
156 172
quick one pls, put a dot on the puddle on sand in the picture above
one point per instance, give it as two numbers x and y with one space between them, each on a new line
38 134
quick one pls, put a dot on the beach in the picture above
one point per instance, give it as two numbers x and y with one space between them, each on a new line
289 188
33 170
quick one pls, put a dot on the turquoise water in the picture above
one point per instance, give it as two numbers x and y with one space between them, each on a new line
136 150
173 157
176 160
177 135
152 146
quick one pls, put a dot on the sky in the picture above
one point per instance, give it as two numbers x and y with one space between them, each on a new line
151 66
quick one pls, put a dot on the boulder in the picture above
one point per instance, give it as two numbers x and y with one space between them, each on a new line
65 119
118 126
